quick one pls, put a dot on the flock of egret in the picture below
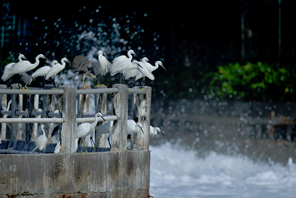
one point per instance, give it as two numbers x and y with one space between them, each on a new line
123 65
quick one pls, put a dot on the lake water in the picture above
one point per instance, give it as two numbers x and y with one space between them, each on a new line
178 172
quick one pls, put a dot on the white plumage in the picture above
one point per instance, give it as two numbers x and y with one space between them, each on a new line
8 66
122 63
147 71
43 70
86 129
41 141
133 127
21 67
56 68
155 130
104 64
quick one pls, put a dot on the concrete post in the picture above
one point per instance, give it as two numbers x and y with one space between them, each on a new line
67 105
120 101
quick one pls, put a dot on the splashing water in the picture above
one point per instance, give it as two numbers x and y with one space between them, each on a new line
176 172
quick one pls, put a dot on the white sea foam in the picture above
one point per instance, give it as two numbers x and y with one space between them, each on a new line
176 172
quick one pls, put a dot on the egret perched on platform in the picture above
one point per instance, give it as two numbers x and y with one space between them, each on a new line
133 127
149 67
41 141
122 63
9 65
104 64
43 70
155 130
80 65
21 67
86 129
56 69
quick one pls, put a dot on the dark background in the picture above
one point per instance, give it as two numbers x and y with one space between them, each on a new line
194 37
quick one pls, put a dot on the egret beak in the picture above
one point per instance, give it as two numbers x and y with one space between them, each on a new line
163 67
162 133
140 128
103 118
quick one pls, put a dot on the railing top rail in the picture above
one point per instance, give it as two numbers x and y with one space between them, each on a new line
61 91
95 91
137 90
33 91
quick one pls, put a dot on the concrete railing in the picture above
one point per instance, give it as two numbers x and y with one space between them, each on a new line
67 98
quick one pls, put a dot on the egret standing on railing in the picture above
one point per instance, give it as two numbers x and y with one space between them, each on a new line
22 66
56 69
86 129
133 127
41 141
104 64
43 70
8 66
122 63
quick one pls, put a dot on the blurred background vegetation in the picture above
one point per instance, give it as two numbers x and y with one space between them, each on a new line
223 50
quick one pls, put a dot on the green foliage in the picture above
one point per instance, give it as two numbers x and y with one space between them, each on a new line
252 81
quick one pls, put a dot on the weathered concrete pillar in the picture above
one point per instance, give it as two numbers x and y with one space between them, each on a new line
143 139
101 138
3 103
120 101
67 105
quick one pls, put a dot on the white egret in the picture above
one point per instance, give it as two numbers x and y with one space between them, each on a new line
139 70
56 68
133 127
57 149
86 129
104 64
122 63
149 67
21 67
41 141
43 70
155 130
144 71
8 66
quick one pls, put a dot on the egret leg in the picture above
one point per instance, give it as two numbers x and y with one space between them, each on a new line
92 141
143 83
109 141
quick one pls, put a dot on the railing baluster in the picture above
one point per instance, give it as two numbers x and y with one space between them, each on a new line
144 118
101 138
120 101
3 103
66 104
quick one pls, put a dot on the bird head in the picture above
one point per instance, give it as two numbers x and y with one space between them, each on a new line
160 64
132 52
100 52
100 115
145 59
65 59
42 56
